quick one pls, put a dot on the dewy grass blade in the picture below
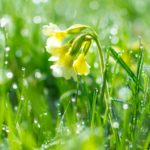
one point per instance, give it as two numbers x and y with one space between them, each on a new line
94 108
123 64
140 65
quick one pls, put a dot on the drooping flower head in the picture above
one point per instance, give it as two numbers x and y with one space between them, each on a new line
69 56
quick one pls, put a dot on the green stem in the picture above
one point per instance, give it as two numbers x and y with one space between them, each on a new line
104 72
100 54
93 109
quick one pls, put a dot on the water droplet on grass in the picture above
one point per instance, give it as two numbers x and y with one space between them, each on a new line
59 113
73 99
25 32
78 128
35 121
14 86
45 114
125 106
136 55
18 53
6 62
68 131
4 21
5 128
38 75
22 98
15 108
130 145
37 19
124 93
7 48
9 75
23 69
115 125
99 80
38 125
114 31
114 40
96 65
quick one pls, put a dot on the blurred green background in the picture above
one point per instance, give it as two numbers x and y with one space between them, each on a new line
24 65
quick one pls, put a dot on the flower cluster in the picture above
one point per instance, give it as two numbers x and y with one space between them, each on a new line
68 49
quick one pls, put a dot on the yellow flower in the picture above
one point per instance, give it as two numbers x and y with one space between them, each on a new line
66 60
61 51
63 54
63 67
53 30
63 71
52 43
80 65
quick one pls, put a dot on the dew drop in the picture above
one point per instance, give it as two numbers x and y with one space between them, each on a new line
22 98
6 62
99 80
35 121
18 53
96 65
136 55
4 21
115 125
59 113
141 46
38 75
125 106
114 40
23 69
130 145
131 52
9 75
38 125
5 128
15 108
68 131
114 31
73 99
25 32
78 128
14 86
83 123
37 19
7 48
45 114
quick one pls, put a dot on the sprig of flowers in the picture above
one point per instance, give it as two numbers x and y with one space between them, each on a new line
69 48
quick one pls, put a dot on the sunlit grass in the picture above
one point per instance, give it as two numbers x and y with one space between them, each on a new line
39 111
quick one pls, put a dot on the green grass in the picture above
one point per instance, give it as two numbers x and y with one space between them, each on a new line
108 109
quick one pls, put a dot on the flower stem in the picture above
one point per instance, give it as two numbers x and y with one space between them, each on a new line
100 54
105 91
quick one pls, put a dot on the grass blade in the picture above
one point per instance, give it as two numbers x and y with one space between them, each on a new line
116 56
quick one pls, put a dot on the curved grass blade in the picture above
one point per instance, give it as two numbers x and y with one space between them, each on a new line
123 64
140 66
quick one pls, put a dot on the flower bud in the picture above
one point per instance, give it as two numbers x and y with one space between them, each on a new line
77 28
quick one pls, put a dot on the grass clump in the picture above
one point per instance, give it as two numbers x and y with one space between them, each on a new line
109 108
